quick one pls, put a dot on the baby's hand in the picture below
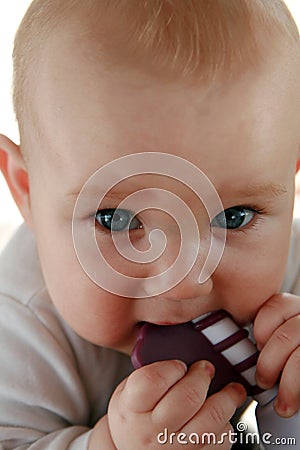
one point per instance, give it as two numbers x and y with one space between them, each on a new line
165 395
277 333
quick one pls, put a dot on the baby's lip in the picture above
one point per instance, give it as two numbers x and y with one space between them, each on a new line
177 322
169 323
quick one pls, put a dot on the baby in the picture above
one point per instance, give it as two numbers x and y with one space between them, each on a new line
138 116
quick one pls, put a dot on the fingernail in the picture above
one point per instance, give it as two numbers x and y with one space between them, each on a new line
239 388
206 365
262 382
282 408
181 363
258 346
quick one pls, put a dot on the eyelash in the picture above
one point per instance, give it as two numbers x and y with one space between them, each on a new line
111 212
254 222
250 225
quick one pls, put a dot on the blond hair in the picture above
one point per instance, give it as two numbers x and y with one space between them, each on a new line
203 38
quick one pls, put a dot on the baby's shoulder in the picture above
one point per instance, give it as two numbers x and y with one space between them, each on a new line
20 272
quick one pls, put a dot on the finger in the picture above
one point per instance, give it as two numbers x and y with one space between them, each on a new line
145 387
287 402
277 351
185 398
217 410
277 310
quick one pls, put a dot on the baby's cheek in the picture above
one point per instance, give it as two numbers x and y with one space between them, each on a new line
242 290
110 320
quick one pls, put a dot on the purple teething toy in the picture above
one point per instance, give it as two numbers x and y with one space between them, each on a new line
210 337
217 338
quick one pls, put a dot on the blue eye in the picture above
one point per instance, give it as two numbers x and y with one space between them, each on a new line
233 218
117 220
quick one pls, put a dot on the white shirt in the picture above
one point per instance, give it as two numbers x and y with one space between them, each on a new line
54 385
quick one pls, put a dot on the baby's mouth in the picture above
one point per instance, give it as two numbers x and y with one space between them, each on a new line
176 322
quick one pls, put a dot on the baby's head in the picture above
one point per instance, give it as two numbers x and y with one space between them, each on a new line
215 83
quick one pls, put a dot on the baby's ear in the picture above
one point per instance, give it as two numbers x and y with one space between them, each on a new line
15 173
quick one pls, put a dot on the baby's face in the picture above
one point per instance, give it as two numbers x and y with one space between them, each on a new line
242 135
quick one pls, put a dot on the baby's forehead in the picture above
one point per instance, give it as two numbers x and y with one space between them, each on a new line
190 41
75 98
81 43
194 36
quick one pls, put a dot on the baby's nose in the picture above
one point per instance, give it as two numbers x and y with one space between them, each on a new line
182 274
189 288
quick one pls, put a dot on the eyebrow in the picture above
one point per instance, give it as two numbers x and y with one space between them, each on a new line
258 189
251 190
98 192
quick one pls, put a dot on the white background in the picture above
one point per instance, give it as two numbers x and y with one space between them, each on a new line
11 13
